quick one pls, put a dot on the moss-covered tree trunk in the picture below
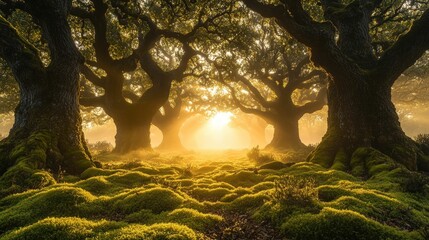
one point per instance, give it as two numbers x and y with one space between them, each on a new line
47 132
363 118
364 134
363 124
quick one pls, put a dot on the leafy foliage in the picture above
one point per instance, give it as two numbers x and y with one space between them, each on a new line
422 139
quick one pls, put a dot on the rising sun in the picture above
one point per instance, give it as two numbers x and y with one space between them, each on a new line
220 120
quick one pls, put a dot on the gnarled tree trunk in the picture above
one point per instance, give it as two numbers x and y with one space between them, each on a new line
132 130
364 134
363 118
286 134
170 137
47 132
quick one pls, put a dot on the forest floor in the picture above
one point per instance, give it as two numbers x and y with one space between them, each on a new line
218 195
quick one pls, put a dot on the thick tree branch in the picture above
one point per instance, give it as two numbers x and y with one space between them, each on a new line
101 44
319 36
92 77
20 55
178 73
99 101
406 50
263 114
81 13
130 95
315 105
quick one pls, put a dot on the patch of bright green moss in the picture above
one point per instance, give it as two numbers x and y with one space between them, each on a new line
341 161
241 179
162 231
98 186
369 161
155 199
147 170
192 218
61 201
61 228
325 152
329 193
332 224
206 194
248 202
274 165
262 186
203 170
93 172
129 179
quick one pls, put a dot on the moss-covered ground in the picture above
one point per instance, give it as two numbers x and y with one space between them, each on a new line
219 195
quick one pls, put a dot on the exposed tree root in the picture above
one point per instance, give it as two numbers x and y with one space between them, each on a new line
368 161
29 162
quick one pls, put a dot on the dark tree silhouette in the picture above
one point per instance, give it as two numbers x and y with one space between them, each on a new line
362 119
133 118
169 120
47 130
271 77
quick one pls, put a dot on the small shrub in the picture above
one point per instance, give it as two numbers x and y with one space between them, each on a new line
254 153
422 138
256 156
415 183
290 190
423 141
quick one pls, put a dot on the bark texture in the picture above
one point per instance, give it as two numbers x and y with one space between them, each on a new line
47 132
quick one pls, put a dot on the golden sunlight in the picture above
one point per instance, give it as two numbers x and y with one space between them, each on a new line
220 120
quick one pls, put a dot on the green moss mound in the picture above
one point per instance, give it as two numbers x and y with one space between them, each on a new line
162 231
332 224
61 228
130 179
241 179
155 199
77 228
92 172
99 186
61 201
206 194
194 219
275 165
